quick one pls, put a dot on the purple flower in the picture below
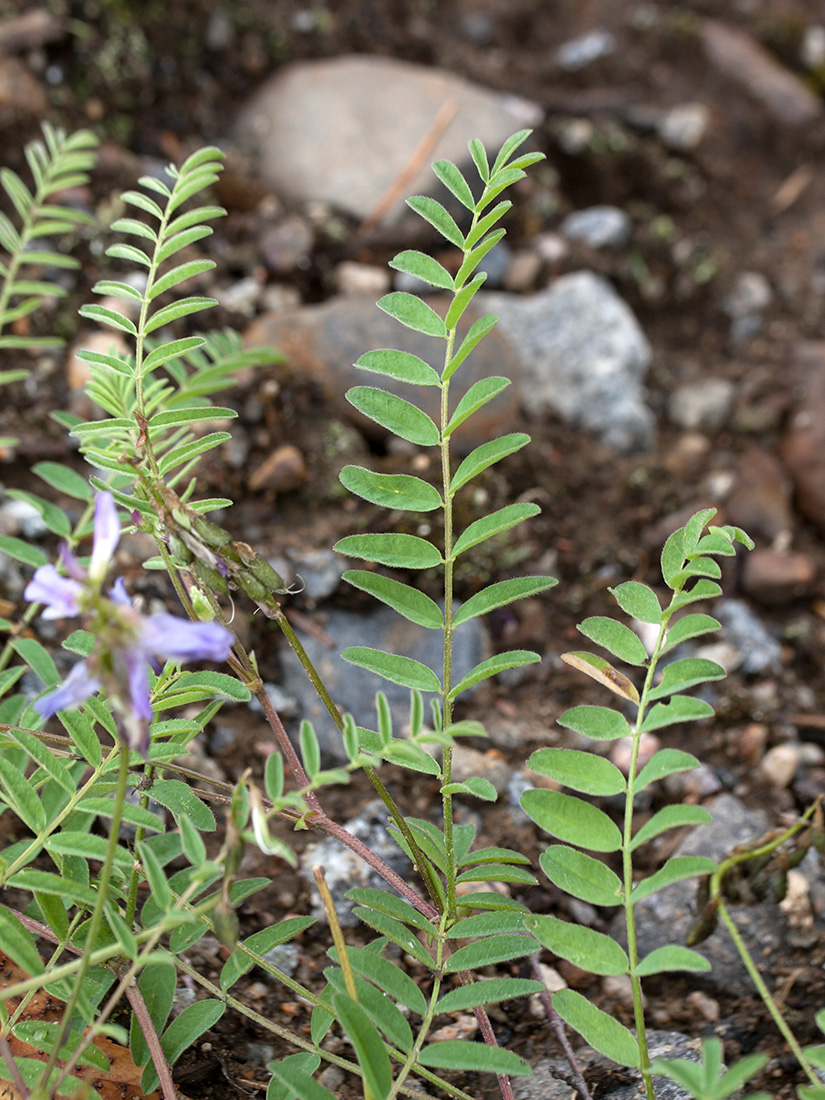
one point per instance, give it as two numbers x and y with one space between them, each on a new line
128 643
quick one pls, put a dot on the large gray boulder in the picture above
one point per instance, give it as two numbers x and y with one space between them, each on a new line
342 130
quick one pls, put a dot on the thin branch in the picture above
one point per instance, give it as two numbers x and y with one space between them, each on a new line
135 999
575 1080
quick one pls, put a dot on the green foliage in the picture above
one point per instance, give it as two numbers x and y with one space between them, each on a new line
687 565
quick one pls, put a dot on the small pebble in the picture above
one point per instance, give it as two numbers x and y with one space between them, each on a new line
704 1005
353 279
284 471
702 406
580 52
779 765
464 1027
287 245
621 751
774 577
598 226
682 128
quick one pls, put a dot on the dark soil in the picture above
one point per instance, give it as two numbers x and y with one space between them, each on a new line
156 80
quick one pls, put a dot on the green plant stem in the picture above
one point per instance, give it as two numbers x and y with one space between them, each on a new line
447 674
627 868
764 992
427 1020
323 694
96 919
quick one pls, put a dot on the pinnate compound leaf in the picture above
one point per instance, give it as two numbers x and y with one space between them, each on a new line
455 182
475 786
400 491
672 957
514 658
475 398
673 556
51 765
604 673
483 225
407 755
500 594
601 1031
486 952
473 1057
392 905
399 670
173 350
393 549
584 947
17 942
475 334
239 961
21 796
690 626
501 520
581 875
581 771
46 882
401 365
599 723
479 155
304 1062
424 267
501 922
702 590
157 986
437 216
182 308
394 930
171 418
380 1009
496 872
462 300
670 817
110 317
398 416
680 708
615 637
570 819
685 674
22 551
639 601
388 977
188 451
182 1033
295 1082
413 313
178 275
64 479
369 1049
676 869
407 601
487 993
485 455
663 763
179 798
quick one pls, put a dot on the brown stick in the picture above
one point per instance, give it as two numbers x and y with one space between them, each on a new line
420 155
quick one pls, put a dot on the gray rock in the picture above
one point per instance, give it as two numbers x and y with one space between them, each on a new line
319 570
19 517
580 52
702 406
665 917
325 340
550 1074
760 651
342 130
352 688
284 956
583 355
344 870
598 226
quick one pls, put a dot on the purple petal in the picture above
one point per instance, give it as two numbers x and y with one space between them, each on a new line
119 595
59 594
138 684
78 686
71 563
177 639
106 536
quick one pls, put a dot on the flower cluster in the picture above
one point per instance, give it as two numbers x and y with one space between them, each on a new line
127 643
